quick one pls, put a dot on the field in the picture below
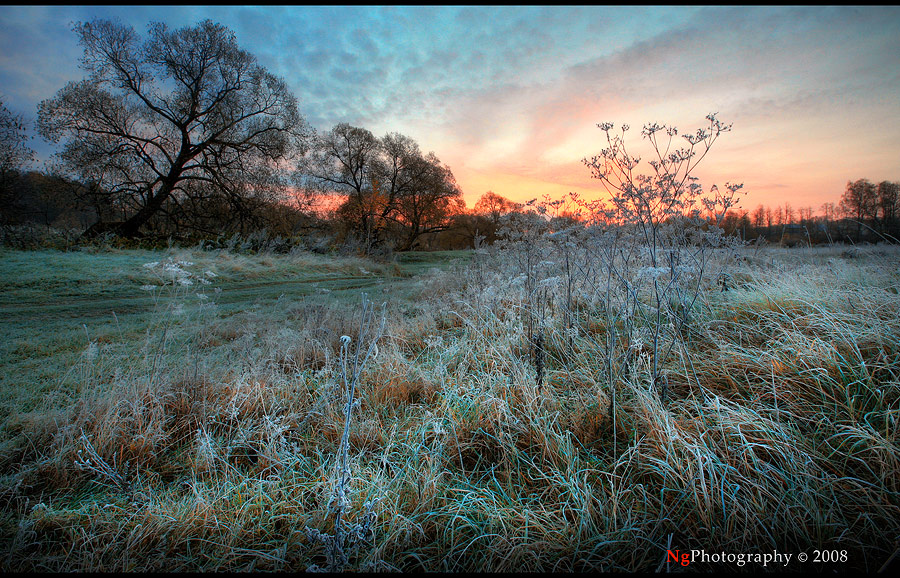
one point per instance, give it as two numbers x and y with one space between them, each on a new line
186 410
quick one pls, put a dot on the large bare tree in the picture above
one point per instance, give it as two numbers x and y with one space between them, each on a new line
182 111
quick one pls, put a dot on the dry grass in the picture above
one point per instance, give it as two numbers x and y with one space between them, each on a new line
212 451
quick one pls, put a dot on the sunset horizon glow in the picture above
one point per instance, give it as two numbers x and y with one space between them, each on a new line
510 97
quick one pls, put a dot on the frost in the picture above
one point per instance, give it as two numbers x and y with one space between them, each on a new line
651 273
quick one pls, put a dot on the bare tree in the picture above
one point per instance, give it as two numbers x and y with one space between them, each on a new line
779 216
788 214
805 214
888 202
431 200
185 106
397 175
14 157
389 187
860 202
340 162
759 217
494 206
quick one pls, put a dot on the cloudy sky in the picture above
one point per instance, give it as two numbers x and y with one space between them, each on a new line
509 97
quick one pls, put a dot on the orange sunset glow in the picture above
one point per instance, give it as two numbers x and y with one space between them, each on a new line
510 98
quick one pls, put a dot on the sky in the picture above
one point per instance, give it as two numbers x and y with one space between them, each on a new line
510 97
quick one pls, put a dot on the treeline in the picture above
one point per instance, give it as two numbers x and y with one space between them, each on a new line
866 213
45 206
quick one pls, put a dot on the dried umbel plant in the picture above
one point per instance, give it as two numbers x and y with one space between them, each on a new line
176 279
668 227
349 535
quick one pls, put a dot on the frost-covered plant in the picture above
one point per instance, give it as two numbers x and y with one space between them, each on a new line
666 230
522 235
176 278
109 474
348 535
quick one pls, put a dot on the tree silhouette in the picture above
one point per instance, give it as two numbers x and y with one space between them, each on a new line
160 120
860 202
14 156
391 191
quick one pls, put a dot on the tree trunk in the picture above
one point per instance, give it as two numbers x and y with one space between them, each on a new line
100 228
130 228
409 242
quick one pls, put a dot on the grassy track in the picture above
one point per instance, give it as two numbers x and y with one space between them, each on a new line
45 284
53 304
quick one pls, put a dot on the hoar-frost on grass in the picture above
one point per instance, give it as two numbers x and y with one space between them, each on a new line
779 430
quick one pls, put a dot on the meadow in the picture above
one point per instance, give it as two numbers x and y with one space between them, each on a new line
188 410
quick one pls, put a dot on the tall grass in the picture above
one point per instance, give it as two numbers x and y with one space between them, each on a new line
208 441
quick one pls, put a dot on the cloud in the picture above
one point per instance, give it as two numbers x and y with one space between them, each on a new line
519 91
767 70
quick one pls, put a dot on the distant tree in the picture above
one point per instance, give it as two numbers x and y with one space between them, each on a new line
759 217
789 215
466 231
489 215
14 158
805 214
860 202
155 119
391 192
14 153
888 202
729 221
494 206
744 222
